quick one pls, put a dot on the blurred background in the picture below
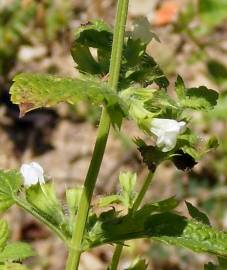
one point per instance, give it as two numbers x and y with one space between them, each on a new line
36 36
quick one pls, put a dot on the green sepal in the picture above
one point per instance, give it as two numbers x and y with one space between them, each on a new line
73 196
127 182
197 214
10 183
180 88
44 200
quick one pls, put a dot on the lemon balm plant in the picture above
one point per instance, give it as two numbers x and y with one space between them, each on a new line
119 79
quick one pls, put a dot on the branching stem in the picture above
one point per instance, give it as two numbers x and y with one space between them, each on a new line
100 145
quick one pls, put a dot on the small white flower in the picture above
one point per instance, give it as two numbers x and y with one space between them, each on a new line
166 131
32 174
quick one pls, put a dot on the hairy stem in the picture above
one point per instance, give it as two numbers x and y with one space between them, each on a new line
103 132
119 248
27 207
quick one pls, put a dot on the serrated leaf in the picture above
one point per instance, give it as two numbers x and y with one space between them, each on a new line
166 227
10 183
4 233
16 252
44 200
146 72
95 34
180 87
138 265
197 214
200 98
33 91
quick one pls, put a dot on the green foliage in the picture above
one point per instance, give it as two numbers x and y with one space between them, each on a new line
137 65
12 252
200 98
16 252
138 265
10 183
166 227
197 214
33 91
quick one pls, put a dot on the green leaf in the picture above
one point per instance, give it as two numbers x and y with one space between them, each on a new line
95 34
197 214
127 182
84 59
146 72
16 252
210 266
167 227
44 200
180 87
200 98
33 91
138 265
10 183
4 234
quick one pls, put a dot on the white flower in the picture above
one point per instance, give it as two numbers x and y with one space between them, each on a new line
32 174
166 131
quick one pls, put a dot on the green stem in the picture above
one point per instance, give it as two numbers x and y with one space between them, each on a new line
27 207
100 145
143 191
119 248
